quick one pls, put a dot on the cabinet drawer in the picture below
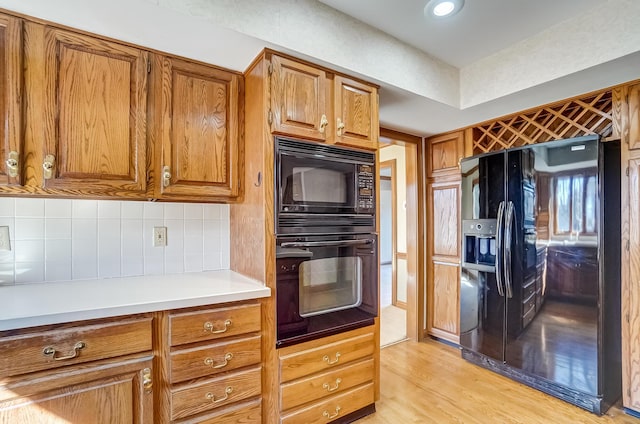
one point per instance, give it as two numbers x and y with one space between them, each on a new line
56 348
318 386
325 357
245 413
214 393
225 356
332 408
213 323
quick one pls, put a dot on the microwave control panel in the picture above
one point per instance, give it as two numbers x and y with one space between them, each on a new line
366 188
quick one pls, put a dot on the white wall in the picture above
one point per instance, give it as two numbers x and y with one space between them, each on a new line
62 239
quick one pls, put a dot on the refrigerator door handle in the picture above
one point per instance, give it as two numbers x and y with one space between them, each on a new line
508 232
499 253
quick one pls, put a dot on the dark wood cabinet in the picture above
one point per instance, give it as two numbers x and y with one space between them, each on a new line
573 273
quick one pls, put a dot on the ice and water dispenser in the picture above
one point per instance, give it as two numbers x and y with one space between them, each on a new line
479 242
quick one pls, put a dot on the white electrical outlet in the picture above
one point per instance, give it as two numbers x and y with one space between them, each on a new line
5 242
159 236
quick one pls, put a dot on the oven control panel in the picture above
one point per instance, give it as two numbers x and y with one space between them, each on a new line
366 187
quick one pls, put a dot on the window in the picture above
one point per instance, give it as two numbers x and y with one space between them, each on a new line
575 199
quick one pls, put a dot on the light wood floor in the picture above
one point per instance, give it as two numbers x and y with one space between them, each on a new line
428 383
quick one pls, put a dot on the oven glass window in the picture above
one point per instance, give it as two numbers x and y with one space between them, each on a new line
330 284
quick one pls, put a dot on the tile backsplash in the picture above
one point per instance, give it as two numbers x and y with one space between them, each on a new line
61 239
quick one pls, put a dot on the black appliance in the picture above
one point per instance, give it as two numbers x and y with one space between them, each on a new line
540 281
323 188
326 246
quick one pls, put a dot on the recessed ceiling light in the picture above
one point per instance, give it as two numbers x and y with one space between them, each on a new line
443 8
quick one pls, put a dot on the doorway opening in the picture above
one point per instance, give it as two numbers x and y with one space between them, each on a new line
398 172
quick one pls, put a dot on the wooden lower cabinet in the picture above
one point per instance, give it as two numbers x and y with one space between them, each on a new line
59 375
326 379
209 364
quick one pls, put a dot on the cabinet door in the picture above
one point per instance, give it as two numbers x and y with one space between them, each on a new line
356 113
445 152
86 111
631 295
443 279
112 392
201 129
633 99
298 94
11 141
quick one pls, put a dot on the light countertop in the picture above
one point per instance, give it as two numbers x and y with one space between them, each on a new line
29 305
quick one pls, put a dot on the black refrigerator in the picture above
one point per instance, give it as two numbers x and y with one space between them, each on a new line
540 282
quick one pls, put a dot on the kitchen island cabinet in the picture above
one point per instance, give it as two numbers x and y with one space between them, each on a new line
313 103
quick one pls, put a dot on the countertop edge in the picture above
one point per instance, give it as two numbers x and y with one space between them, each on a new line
153 305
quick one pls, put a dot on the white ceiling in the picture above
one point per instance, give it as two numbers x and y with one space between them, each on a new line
481 28
494 58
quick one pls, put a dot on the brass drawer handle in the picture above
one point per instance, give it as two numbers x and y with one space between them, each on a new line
323 123
50 351
147 381
340 127
326 359
329 416
227 391
208 326
209 361
12 164
330 389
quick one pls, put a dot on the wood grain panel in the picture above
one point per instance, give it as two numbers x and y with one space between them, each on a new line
298 101
356 106
243 413
444 301
307 358
444 152
94 100
332 408
210 394
445 209
252 222
11 137
317 386
631 294
24 353
633 99
102 393
201 361
190 327
201 131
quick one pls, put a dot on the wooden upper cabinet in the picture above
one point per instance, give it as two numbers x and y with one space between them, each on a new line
298 99
633 100
445 152
356 113
200 131
311 103
11 141
86 113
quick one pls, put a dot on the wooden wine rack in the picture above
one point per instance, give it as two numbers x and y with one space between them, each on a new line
589 115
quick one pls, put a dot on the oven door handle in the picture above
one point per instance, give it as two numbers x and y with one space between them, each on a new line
326 243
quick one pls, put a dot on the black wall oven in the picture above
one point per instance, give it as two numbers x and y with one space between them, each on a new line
326 245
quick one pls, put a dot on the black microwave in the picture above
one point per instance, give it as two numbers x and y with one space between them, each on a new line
320 186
